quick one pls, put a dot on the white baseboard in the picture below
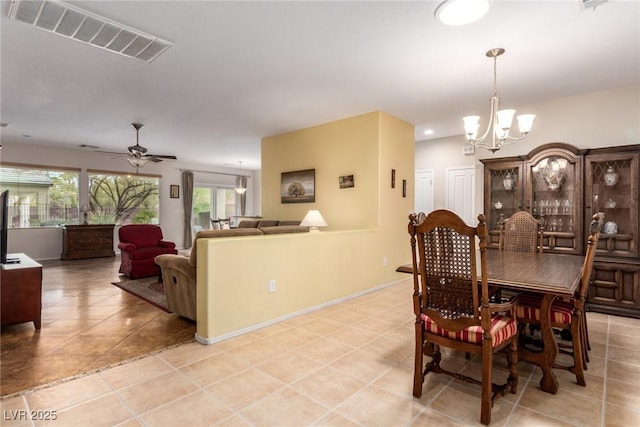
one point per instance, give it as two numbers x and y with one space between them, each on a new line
213 340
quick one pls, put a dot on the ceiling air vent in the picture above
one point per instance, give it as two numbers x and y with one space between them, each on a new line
75 23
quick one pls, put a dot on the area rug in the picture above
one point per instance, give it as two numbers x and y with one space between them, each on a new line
148 289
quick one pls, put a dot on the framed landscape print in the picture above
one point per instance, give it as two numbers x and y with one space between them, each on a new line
298 186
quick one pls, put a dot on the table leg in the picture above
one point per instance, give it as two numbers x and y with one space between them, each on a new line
548 383
544 359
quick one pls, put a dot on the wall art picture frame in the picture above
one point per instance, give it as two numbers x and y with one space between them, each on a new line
346 181
298 186
174 191
393 178
404 188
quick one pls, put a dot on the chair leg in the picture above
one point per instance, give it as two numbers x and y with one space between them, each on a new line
418 377
585 343
577 350
513 366
586 331
487 361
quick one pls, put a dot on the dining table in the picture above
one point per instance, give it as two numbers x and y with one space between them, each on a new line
552 276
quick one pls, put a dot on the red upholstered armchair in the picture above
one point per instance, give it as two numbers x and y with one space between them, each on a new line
139 245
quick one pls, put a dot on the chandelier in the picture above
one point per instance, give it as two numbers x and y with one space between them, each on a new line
241 182
500 120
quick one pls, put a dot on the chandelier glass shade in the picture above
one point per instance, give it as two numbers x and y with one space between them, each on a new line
137 162
500 120
241 184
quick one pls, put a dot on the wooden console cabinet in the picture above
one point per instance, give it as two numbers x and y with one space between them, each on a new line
87 241
21 291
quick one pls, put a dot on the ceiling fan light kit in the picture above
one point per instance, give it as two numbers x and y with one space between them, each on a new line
499 120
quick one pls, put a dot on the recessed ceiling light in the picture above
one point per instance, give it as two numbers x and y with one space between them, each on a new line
461 12
428 132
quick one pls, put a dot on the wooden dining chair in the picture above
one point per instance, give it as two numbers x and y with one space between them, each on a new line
521 232
569 313
452 306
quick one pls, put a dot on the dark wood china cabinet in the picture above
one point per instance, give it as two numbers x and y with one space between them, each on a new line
547 183
611 186
563 186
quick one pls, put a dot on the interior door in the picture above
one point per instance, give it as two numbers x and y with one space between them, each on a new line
461 196
424 191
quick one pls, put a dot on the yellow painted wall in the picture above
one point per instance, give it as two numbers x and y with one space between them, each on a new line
366 241
343 147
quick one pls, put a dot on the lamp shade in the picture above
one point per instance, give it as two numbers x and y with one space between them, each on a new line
313 219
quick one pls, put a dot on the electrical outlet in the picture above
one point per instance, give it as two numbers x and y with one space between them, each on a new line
272 286
384 261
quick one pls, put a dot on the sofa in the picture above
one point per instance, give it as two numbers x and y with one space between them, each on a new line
179 272
139 244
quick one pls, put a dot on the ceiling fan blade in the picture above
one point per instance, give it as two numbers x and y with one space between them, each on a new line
160 156
113 152
137 149
153 159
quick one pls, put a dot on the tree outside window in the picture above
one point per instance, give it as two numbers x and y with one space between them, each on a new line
123 199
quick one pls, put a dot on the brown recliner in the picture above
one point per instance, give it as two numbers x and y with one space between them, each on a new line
179 272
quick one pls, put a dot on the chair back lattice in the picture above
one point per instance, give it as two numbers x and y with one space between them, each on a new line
446 260
447 273
522 233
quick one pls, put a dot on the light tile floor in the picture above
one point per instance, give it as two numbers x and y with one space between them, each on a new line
345 365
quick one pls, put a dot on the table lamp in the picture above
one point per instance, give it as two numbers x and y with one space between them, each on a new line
313 219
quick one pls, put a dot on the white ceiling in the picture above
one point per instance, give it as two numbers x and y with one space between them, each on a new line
240 71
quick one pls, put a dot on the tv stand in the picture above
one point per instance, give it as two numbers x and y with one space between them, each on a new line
21 291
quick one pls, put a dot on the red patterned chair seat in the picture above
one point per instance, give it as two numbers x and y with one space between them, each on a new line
502 328
529 309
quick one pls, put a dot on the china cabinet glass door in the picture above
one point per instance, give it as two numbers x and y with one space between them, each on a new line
612 188
503 190
554 197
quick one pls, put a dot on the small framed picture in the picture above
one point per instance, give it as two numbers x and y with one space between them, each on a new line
174 191
404 188
393 178
346 181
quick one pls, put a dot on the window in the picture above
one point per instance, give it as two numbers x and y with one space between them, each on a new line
123 199
212 203
40 196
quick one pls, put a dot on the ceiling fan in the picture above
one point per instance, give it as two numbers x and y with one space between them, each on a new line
137 155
